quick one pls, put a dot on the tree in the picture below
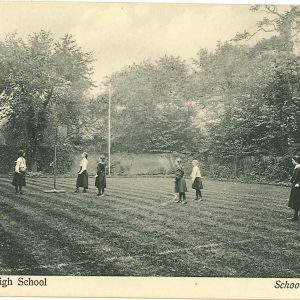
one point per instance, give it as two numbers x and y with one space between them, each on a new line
42 81
153 107
256 88
282 23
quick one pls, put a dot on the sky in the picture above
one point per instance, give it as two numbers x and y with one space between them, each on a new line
119 34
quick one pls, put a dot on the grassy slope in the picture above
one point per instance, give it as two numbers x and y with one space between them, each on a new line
239 230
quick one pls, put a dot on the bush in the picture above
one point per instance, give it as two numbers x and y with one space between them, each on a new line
251 168
157 171
117 168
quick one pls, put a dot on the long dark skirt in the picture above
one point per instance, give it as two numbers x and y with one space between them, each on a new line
83 180
294 201
197 184
180 186
100 181
19 179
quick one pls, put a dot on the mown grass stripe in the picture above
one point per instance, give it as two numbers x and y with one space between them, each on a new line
13 253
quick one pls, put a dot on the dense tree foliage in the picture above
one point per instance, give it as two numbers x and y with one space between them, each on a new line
153 107
42 83
259 92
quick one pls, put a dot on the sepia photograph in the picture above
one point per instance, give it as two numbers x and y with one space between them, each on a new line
149 140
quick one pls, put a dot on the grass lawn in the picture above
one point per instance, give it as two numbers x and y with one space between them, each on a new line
239 230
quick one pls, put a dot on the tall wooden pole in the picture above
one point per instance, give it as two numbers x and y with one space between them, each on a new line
109 102
55 158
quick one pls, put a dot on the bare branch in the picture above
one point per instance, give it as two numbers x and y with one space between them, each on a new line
273 10
256 32
260 25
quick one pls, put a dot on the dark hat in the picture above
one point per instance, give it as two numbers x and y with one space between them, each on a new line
21 153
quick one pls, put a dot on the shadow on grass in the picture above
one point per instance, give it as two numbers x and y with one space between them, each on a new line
15 258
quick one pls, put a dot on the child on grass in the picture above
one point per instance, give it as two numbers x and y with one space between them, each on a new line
100 181
196 180
180 184
294 201
19 179
83 177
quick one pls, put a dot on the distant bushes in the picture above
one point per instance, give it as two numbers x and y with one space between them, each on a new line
249 169
262 169
119 169
157 171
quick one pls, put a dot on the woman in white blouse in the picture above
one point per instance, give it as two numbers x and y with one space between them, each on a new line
196 180
82 179
19 179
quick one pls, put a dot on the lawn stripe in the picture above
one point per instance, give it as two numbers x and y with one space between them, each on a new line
14 256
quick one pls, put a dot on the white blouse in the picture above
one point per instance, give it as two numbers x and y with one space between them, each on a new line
83 165
20 165
195 173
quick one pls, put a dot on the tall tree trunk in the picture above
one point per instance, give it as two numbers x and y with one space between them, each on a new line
34 155
35 131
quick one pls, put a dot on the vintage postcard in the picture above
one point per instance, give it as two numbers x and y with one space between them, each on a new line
150 150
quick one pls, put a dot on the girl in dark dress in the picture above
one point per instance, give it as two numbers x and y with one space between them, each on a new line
180 184
294 201
83 177
100 181
19 179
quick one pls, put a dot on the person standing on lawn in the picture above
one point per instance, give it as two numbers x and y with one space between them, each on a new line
180 184
196 180
82 178
294 201
19 179
100 181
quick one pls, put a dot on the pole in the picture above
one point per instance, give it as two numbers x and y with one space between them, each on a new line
55 158
109 101
54 190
